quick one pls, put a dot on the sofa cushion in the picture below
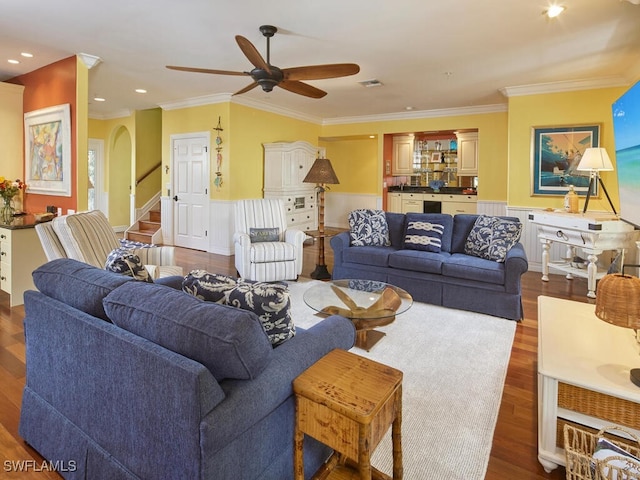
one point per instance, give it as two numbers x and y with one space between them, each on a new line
368 228
271 302
418 261
266 252
492 237
468 267
378 256
125 262
395 223
77 284
425 231
257 235
229 341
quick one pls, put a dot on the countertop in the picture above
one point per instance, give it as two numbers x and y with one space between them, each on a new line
443 190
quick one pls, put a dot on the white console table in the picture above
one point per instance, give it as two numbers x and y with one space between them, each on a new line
583 362
593 233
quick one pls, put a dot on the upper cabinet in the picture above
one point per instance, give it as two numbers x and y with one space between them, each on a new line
402 155
467 153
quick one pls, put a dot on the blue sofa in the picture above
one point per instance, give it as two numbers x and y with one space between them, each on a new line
102 402
450 278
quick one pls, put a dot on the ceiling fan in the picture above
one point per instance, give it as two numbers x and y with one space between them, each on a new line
269 76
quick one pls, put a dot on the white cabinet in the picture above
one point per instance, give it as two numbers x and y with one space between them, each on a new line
412 202
402 154
454 204
285 166
467 153
20 254
394 202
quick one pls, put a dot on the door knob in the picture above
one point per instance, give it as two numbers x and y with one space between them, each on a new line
175 198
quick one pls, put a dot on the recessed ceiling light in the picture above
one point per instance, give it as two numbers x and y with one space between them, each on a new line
408 108
140 90
13 62
99 99
554 10
27 54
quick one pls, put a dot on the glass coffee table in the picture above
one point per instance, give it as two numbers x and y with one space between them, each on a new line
367 303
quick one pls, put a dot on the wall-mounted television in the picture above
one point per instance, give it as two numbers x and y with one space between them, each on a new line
626 128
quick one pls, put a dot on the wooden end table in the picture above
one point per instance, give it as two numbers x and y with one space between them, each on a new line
348 403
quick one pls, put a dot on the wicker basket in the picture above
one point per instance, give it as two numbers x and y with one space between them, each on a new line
579 446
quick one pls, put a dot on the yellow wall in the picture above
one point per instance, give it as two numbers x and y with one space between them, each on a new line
492 134
250 128
354 161
11 131
82 134
198 119
148 155
558 109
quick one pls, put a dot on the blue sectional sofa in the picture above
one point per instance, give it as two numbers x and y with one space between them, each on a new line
450 277
103 402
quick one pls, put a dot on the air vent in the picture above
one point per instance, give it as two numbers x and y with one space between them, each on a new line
371 83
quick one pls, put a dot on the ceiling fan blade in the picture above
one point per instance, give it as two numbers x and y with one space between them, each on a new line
316 72
251 86
302 88
252 53
206 70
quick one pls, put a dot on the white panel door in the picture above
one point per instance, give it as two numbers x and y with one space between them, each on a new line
191 190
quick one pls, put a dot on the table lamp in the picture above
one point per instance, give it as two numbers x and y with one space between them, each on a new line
618 303
596 160
322 174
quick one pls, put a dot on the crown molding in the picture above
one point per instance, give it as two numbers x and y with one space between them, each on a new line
417 114
196 101
567 86
110 116
268 107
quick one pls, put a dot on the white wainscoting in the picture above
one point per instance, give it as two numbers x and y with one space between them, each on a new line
338 205
221 227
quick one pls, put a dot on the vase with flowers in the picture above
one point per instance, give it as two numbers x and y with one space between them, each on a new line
8 190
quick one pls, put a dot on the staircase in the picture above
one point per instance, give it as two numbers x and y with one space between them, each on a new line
147 229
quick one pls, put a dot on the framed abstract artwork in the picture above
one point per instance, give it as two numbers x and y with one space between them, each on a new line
47 150
555 155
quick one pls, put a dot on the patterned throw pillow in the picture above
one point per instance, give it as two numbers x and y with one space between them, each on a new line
421 234
264 234
126 262
368 228
492 237
271 302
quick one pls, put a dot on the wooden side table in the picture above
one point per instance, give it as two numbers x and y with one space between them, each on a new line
348 402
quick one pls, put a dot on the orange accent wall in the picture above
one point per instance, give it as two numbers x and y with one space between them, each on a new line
54 84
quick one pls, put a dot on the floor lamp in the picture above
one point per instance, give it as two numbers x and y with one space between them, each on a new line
596 160
322 174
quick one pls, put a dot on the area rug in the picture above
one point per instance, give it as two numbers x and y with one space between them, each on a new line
454 364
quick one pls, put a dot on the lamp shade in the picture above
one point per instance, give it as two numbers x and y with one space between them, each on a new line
321 172
595 159
618 300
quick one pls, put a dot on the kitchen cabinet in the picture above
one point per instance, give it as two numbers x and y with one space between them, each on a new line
285 166
412 202
20 254
467 153
394 202
402 160
454 204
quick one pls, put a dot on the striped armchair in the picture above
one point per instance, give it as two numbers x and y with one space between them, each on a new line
89 237
280 258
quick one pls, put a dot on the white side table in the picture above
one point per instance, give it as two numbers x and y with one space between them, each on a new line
582 359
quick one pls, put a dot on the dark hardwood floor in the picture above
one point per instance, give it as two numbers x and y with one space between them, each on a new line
514 451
